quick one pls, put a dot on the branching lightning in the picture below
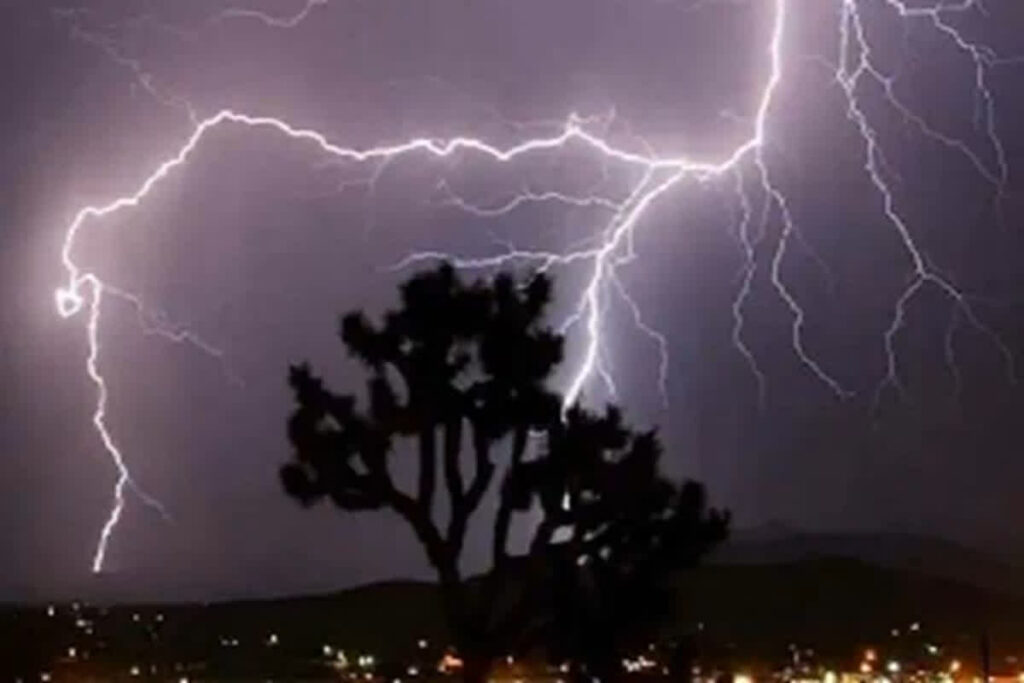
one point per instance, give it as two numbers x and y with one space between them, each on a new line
290 21
746 168
855 66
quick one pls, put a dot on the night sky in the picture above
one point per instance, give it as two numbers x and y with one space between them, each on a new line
259 242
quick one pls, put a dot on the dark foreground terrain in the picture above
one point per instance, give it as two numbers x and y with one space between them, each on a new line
744 614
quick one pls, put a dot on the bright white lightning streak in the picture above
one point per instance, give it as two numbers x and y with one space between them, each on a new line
72 297
855 64
124 478
659 339
615 245
748 271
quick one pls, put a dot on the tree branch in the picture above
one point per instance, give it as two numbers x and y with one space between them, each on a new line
468 502
503 519
452 451
428 470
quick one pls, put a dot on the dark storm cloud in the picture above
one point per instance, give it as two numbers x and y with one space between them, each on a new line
256 248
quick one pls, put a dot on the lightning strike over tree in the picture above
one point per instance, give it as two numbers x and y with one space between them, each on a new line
746 170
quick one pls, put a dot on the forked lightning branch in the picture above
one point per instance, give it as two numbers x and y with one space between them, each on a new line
744 170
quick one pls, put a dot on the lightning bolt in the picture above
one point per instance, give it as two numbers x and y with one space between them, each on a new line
856 66
612 247
99 420
270 20
144 78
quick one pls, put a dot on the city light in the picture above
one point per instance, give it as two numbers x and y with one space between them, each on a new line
449 664
651 663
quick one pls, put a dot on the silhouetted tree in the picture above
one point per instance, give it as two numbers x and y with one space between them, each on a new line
461 364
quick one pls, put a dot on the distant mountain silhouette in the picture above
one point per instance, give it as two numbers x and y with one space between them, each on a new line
839 605
766 544
931 556
740 613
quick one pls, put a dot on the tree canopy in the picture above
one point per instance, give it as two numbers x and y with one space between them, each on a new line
460 370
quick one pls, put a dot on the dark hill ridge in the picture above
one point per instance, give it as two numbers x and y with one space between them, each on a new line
768 544
776 543
840 605
748 613
231 639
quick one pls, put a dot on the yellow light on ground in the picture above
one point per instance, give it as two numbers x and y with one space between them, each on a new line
742 678
449 663
865 667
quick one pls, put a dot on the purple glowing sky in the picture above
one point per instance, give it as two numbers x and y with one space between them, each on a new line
257 242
